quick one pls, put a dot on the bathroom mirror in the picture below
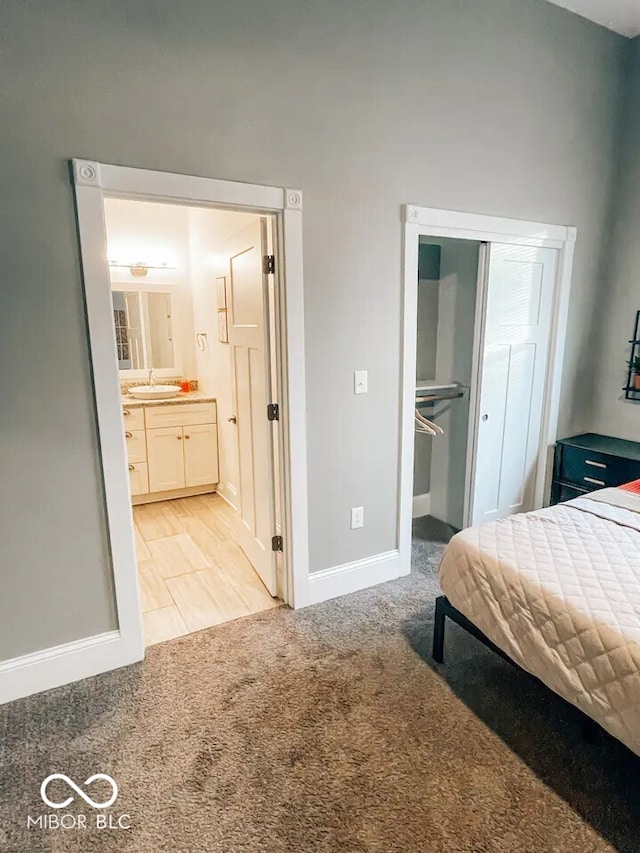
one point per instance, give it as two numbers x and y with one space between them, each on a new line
144 330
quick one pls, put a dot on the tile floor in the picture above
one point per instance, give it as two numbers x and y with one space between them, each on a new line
192 573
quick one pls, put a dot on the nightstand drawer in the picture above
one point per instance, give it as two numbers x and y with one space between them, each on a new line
568 493
590 471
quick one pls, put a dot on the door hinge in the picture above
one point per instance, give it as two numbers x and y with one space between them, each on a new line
273 412
269 264
277 544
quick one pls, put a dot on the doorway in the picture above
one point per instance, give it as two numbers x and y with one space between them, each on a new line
485 310
201 331
192 304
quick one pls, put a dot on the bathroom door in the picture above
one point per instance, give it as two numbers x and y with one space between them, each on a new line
249 341
520 287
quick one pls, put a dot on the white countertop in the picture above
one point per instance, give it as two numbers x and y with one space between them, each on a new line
189 397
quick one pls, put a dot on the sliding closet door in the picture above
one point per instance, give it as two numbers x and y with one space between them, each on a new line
514 359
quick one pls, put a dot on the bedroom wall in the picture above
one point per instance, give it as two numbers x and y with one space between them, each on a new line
505 107
620 286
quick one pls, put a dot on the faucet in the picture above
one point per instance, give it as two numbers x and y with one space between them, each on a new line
152 379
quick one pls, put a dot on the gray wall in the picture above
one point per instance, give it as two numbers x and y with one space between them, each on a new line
504 107
620 286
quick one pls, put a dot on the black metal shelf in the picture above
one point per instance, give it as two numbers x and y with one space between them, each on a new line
630 391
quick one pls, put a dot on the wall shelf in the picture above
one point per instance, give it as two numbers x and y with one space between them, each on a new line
631 392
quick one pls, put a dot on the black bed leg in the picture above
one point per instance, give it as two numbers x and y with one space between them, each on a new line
438 630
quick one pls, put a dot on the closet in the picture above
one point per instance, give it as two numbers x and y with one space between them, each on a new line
483 336
448 275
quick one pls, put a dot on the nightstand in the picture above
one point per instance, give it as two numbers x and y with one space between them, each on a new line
588 462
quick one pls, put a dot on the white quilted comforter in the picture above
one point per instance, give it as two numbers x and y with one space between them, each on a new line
558 590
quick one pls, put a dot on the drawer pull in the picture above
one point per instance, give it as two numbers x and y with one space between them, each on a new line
595 482
595 464
132 467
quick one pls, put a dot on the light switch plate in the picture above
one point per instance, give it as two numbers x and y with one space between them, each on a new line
357 517
360 381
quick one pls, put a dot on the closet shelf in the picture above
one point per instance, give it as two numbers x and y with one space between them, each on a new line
429 391
429 385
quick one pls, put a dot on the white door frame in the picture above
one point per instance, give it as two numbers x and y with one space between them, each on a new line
93 181
431 222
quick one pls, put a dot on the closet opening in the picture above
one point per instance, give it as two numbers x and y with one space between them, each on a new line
484 325
446 318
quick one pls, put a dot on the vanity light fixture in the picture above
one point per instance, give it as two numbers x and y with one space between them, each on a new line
139 269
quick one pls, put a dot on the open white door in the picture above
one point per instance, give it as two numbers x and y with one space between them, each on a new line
250 365
513 367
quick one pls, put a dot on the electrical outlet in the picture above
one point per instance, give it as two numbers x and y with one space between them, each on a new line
360 382
357 517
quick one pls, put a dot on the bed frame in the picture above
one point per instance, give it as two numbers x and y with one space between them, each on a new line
591 730
444 608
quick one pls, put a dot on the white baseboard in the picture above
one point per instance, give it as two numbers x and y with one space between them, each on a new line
421 505
228 493
350 577
60 665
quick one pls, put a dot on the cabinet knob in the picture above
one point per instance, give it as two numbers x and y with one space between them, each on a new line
233 419
132 467
485 418
179 437
128 435
126 412
187 436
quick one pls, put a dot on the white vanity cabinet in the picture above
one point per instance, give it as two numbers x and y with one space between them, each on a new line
138 478
166 459
200 454
175 454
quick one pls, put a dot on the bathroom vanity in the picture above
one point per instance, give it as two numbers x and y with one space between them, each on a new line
172 447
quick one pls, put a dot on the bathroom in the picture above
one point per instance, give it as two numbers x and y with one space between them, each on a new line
189 289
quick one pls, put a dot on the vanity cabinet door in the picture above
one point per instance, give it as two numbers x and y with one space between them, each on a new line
138 478
165 457
200 455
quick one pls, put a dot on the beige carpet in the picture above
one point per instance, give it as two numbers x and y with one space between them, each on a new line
323 730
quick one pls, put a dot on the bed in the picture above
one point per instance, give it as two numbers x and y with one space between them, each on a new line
557 591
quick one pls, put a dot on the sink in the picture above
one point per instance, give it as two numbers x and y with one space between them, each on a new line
154 392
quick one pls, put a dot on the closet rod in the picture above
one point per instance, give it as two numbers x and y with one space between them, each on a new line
434 398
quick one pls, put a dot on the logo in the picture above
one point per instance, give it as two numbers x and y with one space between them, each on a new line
59 820
79 791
